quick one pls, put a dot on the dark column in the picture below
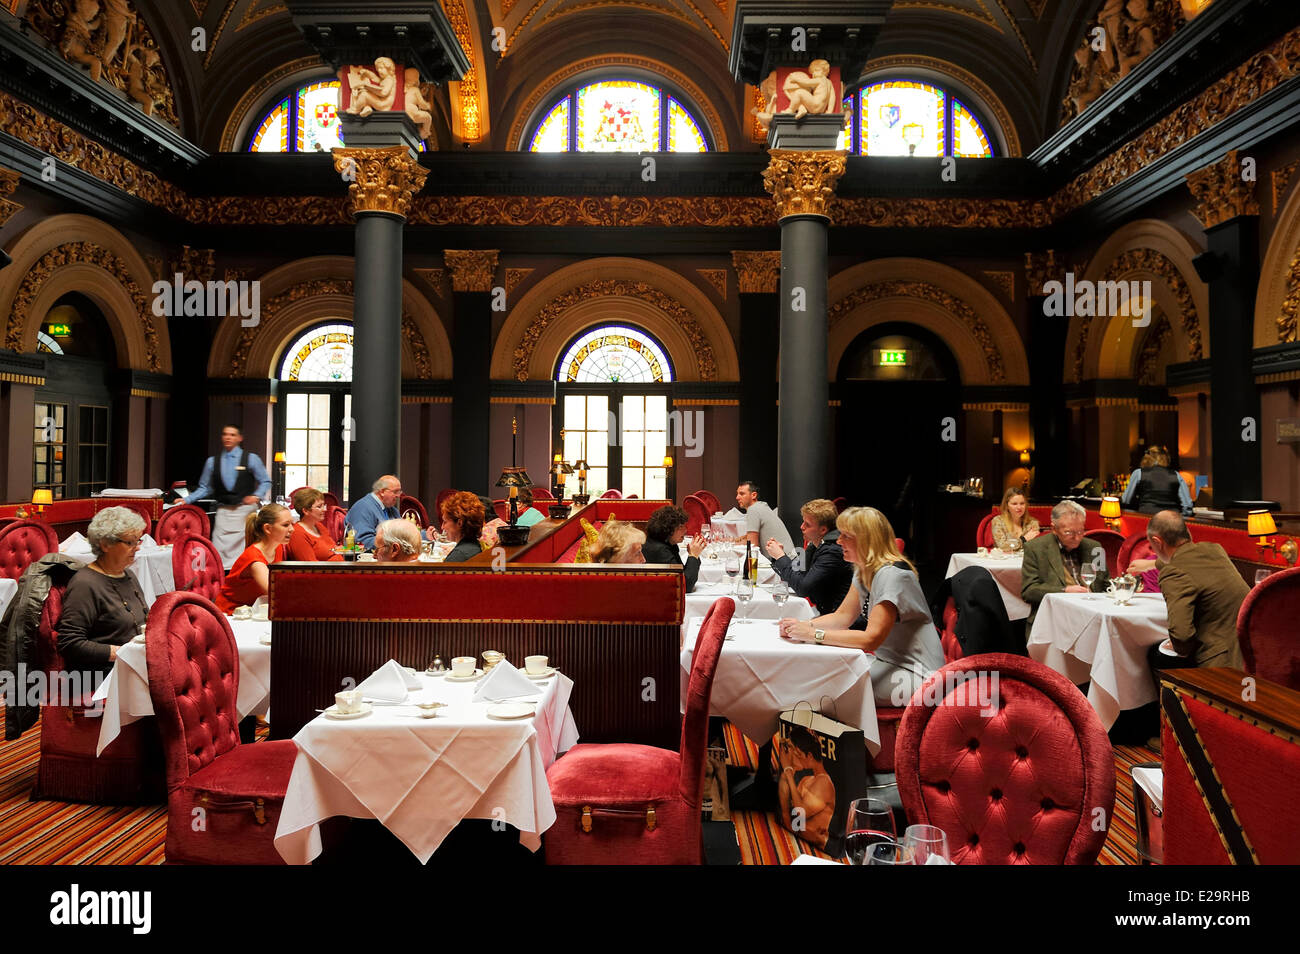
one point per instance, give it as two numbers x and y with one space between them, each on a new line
1230 215
1048 415
760 341
471 280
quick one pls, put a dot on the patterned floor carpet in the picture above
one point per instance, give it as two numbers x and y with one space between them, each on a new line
63 833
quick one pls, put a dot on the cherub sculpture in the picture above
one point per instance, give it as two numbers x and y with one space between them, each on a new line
373 90
813 94
768 89
76 43
417 106
140 61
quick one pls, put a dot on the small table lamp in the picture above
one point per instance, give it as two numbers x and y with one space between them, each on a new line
514 478
40 500
1260 523
581 498
1111 512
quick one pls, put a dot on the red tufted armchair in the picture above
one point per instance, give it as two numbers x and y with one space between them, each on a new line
193 682
196 566
697 513
180 520
541 493
612 494
635 804
1134 547
1266 628
1021 786
1111 541
984 533
22 543
413 503
336 519
710 501
128 772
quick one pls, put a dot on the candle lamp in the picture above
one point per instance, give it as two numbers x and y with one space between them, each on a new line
513 535
581 498
560 468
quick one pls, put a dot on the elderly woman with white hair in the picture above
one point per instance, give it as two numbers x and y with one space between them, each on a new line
103 606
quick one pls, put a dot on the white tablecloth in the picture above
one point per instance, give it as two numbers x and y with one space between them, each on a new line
760 675
421 777
762 606
126 690
711 571
1006 574
8 588
1098 642
152 568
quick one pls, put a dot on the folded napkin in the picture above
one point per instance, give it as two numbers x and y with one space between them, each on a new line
504 682
148 543
76 543
389 683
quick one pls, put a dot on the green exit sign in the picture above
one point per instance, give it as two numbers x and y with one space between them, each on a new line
58 330
891 359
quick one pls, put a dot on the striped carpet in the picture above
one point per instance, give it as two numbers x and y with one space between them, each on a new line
64 833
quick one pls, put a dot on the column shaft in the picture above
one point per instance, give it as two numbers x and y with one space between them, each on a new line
760 342
471 394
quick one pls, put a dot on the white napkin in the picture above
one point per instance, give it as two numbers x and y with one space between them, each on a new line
504 682
389 683
148 543
76 543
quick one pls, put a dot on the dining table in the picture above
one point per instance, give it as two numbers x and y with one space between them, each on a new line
1091 638
713 569
763 605
420 777
1005 570
124 693
760 675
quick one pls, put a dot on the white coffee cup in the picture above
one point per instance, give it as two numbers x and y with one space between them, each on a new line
462 666
366 558
535 665
347 702
983 551
261 611
243 612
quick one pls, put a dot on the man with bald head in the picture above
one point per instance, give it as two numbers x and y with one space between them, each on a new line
374 508
1203 591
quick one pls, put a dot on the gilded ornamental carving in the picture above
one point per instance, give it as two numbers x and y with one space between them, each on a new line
8 183
1220 192
1288 322
1130 31
472 269
1041 268
383 179
757 272
803 182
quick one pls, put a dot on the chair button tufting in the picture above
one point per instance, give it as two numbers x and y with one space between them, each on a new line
1022 752
973 840
943 786
973 744
1020 848
1047 803
995 794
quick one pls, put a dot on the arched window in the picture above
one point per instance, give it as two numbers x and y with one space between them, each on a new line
903 117
614 354
618 115
322 354
306 120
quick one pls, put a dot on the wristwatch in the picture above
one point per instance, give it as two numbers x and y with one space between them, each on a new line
819 635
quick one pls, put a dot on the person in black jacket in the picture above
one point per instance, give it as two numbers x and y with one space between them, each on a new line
823 576
666 528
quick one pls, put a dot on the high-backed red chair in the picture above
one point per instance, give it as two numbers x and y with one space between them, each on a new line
143 509
1266 628
634 804
180 520
1022 785
22 543
335 520
1111 541
196 566
1135 547
413 503
438 501
541 493
901 544
952 650
841 504
612 494
710 501
330 499
130 770
194 682
984 533
501 507
697 513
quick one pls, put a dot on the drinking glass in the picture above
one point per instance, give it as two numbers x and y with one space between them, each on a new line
1087 575
890 853
780 593
744 593
927 842
1262 575
731 564
870 821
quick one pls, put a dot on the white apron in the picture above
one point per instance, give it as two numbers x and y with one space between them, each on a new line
228 532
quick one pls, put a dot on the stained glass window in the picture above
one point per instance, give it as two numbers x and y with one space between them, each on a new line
322 354
618 115
902 117
273 133
614 354
307 120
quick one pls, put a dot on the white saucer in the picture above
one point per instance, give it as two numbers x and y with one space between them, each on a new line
550 671
332 713
431 673
511 710
1167 647
452 677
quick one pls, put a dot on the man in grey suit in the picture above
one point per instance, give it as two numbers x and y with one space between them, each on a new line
1053 561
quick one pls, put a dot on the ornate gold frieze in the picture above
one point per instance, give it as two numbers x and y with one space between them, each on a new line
617 288
81 253
1281 179
1221 193
470 116
194 263
385 178
607 211
1041 268
757 272
312 210
515 277
1132 32
717 277
1288 322
8 183
472 270
942 213
1005 282
112 41
803 182
925 291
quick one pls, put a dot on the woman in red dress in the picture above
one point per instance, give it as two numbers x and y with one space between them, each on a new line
250 577
309 539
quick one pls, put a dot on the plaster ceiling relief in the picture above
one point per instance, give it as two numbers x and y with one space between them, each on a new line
257 9
701 15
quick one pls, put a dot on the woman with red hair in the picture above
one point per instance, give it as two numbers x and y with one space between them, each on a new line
462 522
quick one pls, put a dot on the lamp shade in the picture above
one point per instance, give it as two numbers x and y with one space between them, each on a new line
514 477
668 460
1110 507
1259 523
42 497
1024 457
279 457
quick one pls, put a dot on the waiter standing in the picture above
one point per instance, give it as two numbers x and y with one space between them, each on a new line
239 485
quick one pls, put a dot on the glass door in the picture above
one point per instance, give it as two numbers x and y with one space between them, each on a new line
620 433
316 435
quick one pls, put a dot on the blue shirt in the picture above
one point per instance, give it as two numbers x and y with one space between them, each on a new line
1184 498
229 461
367 514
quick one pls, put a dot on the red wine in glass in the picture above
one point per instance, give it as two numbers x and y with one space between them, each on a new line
856 844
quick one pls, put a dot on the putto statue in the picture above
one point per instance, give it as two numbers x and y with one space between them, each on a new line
373 89
812 93
417 105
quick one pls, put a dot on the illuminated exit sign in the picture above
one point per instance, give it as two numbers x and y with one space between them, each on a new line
58 331
891 359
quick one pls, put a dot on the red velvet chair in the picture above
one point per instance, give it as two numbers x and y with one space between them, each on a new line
1111 541
336 519
330 499
697 513
22 543
143 509
193 682
1266 628
1135 547
130 770
901 544
634 804
180 520
500 507
541 493
612 494
710 501
984 534
952 650
413 503
841 504
196 566
438 501
1022 786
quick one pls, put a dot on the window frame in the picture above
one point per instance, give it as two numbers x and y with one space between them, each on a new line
667 91
950 94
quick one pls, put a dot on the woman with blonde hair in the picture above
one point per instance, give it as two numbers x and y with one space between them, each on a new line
265 532
618 542
1014 527
887 592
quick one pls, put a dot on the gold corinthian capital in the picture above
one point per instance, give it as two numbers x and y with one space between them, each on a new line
803 183
383 179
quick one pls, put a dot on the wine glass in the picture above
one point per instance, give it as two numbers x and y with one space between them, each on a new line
890 853
870 821
744 593
927 842
731 564
1262 575
1087 575
780 593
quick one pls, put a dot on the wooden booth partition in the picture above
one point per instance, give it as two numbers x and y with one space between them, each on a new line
614 630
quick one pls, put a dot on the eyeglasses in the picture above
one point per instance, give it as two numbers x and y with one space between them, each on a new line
129 542
1069 533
